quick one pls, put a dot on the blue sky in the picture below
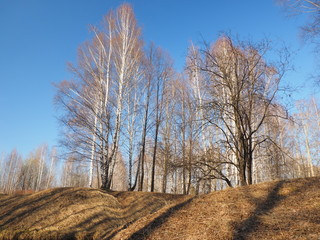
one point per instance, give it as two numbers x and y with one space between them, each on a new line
39 37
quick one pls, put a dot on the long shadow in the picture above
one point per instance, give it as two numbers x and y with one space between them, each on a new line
111 222
145 231
91 230
29 200
248 226
37 204
45 201
245 228
9 199
129 214
85 222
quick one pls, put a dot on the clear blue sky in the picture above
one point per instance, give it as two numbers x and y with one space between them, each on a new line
38 38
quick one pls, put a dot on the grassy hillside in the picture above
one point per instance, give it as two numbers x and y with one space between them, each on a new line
76 213
274 210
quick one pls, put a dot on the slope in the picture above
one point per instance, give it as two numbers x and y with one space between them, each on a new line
76 213
274 210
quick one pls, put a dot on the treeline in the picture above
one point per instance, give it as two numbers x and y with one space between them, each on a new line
42 169
137 123
131 122
36 172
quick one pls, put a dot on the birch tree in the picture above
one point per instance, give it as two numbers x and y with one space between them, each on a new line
127 55
94 101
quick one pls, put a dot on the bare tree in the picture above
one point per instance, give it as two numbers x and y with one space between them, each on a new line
243 87
51 169
308 122
127 54
94 103
13 164
161 71
73 173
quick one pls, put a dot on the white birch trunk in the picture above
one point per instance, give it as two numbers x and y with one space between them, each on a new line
310 165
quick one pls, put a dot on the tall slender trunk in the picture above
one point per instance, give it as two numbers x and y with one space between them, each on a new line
93 144
249 167
155 139
50 169
165 174
144 136
115 141
184 162
316 110
137 175
131 131
40 171
98 173
154 155
189 166
130 160
310 165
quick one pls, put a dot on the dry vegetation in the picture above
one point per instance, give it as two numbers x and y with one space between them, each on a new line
274 210
76 213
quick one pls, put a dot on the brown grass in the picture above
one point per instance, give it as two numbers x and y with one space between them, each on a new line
75 213
274 210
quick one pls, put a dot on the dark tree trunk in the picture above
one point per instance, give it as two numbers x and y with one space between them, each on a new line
143 150
154 155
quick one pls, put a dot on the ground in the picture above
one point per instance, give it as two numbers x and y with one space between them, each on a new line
275 210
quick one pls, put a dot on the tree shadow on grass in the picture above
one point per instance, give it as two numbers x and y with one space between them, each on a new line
110 222
142 206
90 222
145 231
274 198
243 229
18 211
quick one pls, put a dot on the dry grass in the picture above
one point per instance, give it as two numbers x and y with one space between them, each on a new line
75 213
274 210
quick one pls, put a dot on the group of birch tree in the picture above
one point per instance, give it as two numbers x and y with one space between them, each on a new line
109 105
130 122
